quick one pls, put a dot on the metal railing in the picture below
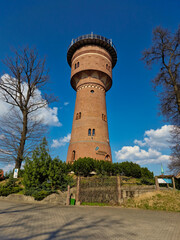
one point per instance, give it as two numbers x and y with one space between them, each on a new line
92 36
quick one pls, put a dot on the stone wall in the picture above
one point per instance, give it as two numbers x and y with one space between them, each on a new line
106 190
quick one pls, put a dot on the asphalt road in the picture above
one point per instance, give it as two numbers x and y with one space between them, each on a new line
35 221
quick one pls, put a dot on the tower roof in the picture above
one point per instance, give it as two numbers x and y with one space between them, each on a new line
92 39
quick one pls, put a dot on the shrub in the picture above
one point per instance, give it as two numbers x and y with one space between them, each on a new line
103 167
45 173
147 181
145 173
10 187
131 169
38 193
83 166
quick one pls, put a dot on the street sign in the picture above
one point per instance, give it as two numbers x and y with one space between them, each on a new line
15 173
164 180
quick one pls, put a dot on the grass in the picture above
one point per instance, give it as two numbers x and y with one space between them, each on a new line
161 200
94 204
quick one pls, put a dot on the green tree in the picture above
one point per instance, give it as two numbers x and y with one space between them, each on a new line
103 167
83 166
36 170
43 172
145 173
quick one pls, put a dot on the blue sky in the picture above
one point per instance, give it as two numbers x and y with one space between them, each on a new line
132 105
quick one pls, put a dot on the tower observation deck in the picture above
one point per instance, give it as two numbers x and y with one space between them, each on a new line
91 58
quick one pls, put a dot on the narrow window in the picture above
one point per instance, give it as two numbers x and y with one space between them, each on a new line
75 66
79 115
73 155
102 116
106 66
89 132
93 132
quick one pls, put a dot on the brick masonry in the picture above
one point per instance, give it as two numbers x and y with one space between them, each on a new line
91 77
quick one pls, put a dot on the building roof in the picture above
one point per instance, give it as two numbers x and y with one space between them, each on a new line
92 39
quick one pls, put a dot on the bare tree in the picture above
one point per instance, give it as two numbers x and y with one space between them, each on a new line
175 150
21 128
165 51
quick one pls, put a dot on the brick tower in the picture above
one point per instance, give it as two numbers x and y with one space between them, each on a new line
91 58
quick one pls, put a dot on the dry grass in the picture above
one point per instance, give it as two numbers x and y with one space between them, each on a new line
161 200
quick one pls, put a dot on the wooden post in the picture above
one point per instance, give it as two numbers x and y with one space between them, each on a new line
68 196
173 181
157 184
77 190
119 188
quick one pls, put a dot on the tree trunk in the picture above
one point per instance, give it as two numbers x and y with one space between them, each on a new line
19 158
177 93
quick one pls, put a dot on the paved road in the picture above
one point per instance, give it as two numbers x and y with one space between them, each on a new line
35 221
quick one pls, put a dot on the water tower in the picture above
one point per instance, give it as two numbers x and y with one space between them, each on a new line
91 58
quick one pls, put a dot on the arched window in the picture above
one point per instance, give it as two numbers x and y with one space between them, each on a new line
76 116
107 157
106 66
73 155
75 66
79 115
89 132
93 132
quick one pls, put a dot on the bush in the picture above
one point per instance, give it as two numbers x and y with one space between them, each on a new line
42 175
10 187
131 169
145 173
103 167
147 181
83 166
37 193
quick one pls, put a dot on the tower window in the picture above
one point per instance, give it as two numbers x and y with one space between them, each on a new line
92 91
73 155
93 132
78 115
76 65
104 117
89 132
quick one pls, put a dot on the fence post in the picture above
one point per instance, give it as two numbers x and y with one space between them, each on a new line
68 196
77 191
157 184
119 188
174 186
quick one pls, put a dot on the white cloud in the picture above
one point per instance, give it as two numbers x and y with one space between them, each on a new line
61 142
8 167
66 103
2 136
47 115
140 156
155 143
159 138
